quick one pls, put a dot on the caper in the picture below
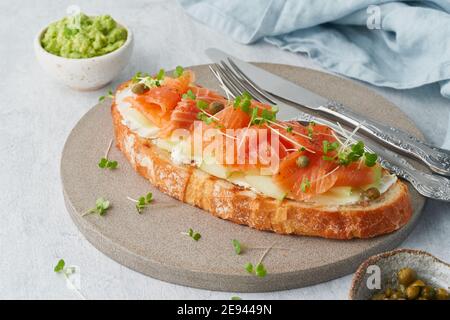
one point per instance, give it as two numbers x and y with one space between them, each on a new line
379 296
302 161
397 295
388 292
418 283
427 292
215 107
405 275
412 292
372 193
442 294
139 88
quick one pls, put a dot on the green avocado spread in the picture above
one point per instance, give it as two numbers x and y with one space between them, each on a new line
81 36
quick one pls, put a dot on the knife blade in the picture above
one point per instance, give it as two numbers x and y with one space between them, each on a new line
271 82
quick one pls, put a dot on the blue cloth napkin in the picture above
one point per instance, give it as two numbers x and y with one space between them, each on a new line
398 44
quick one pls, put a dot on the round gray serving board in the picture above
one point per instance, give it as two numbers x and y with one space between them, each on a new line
152 242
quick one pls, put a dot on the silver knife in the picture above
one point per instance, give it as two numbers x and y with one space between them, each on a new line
437 159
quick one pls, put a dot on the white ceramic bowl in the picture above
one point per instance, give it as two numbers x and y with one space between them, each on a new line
85 74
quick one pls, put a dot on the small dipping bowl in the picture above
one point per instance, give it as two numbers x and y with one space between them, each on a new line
85 73
430 269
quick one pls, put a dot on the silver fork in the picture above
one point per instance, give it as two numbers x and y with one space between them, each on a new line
431 186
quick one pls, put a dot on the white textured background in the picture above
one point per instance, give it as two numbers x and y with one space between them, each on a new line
37 114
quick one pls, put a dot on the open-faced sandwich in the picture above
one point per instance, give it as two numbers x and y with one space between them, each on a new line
236 160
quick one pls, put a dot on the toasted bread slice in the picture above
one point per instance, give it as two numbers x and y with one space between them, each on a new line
228 201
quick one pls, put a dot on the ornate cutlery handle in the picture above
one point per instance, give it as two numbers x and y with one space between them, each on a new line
429 185
435 158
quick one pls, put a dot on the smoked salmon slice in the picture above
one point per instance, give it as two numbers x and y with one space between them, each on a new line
321 175
155 104
186 112
356 175
304 183
207 95
233 118
182 117
180 84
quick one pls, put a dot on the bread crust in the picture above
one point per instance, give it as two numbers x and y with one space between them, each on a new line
230 202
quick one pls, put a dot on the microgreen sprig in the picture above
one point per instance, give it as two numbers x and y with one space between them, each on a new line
328 147
305 184
178 72
259 270
67 271
193 234
243 102
202 105
59 266
101 206
142 202
138 76
160 75
237 246
348 154
203 115
189 95
108 95
267 116
354 153
104 162
148 80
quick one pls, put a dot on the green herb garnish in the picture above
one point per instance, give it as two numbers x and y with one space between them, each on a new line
193 234
259 270
202 105
101 206
305 184
108 95
160 75
139 76
289 129
105 163
237 246
351 154
178 71
327 146
143 202
249 267
370 159
244 102
205 118
267 116
189 95
59 266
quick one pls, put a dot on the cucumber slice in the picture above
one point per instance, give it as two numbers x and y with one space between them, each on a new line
266 186
211 166
165 144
